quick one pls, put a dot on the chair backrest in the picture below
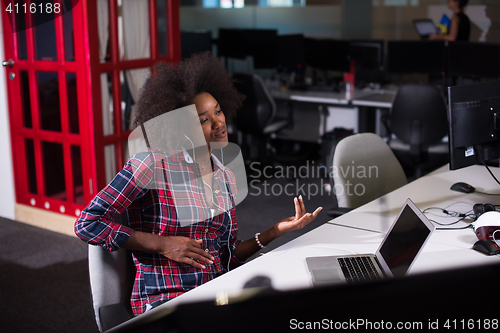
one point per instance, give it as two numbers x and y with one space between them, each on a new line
111 282
418 114
258 108
364 168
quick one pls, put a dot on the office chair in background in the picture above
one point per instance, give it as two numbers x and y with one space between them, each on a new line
111 282
362 168
418 118
256 120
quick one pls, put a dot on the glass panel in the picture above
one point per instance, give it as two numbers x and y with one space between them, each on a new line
30 166
107 104
25 99
69 38
135 25
110 162
161 8
126 153
103 30
74 125
127 100
45 35
132 82
21 36
53 170
48 98
76 164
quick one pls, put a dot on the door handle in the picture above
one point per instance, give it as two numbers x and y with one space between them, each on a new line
8 63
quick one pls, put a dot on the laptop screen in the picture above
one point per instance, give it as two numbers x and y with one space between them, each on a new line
404 242
424 27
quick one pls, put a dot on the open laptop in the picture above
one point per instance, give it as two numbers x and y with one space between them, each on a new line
424 27
396 254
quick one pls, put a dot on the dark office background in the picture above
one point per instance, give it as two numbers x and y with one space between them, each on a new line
44 281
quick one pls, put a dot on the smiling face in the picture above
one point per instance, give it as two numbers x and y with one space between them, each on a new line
212 120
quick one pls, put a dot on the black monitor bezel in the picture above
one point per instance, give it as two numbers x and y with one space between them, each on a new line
481 97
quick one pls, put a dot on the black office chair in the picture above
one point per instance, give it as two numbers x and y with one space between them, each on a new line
257 118
418 118
111 282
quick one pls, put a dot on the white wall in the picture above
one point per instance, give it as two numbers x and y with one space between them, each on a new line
7 194
312 21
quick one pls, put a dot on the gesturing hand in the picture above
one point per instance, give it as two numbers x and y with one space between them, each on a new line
186 250
300 220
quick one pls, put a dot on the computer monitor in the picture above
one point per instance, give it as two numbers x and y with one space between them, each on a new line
263 47
474 123
327 54
474 59
291 53
416 57
195 42
368 53
239 43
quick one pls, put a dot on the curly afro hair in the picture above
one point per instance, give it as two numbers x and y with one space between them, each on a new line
174 86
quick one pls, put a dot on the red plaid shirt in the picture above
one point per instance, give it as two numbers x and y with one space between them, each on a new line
152 208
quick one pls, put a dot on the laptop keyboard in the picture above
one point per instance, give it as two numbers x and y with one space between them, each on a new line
358 269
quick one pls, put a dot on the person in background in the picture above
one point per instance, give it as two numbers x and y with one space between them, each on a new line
460 23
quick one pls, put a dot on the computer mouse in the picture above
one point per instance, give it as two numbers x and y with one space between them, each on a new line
487 224
462 187
486 246
259 281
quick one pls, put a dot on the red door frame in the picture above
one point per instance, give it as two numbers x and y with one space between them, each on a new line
88 70
19 133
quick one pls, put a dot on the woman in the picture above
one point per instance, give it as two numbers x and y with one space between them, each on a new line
460 23
172 257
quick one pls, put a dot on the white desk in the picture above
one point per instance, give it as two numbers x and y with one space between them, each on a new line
360 231
433 190
378 99
371 98
375 99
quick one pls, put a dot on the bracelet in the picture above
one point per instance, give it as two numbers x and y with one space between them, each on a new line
258 241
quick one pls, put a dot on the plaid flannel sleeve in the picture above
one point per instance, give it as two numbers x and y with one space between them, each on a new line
96 225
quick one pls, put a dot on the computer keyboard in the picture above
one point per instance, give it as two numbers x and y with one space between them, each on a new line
358 269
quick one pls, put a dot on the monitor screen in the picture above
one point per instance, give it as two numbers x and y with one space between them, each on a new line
195 42
291 52
474 123
327 54
239 43
404 242
368 53
262 45
424 27
419 57
474 59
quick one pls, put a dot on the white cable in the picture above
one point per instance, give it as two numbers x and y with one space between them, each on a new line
230 223
192 144
494 239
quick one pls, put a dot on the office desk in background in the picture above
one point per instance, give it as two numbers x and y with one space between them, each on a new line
362 111
361 231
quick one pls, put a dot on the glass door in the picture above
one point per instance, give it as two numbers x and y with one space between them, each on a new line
74 69
46 89
132 36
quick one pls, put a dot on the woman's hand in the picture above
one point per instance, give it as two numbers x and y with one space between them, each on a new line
181 249
300 220
249 247
186 250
